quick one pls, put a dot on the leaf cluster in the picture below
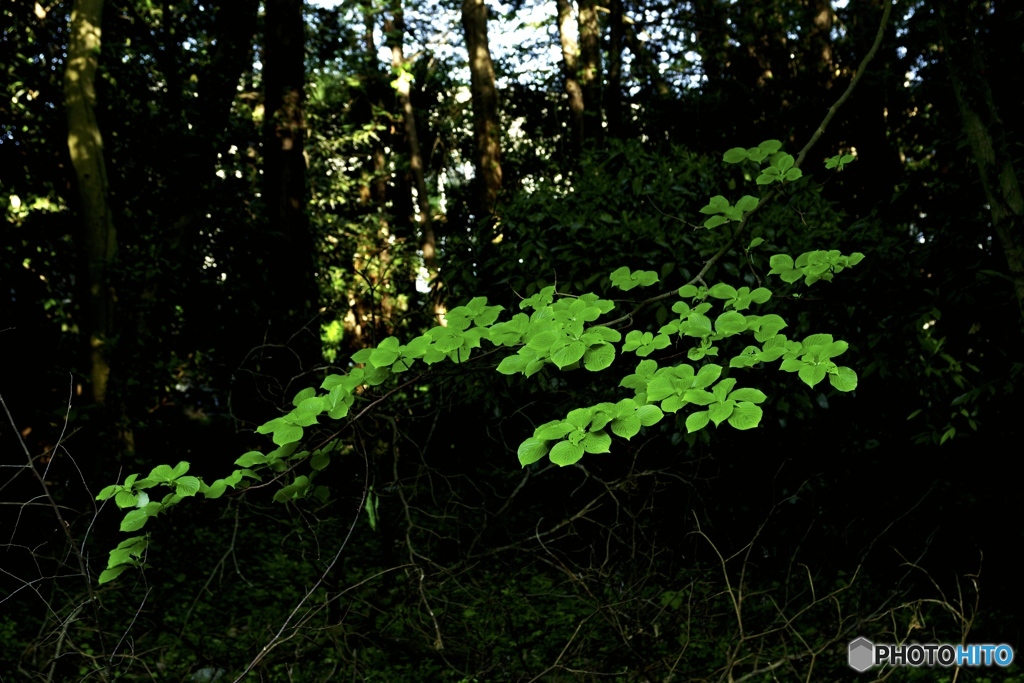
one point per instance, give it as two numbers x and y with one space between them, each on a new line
780 167
563 331
812 265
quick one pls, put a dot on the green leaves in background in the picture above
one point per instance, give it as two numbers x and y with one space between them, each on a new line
839 161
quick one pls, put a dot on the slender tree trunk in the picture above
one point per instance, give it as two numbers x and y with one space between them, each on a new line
570 69
486 131
288 250
986 134
379 182
613 90
590 70
85 144
395 29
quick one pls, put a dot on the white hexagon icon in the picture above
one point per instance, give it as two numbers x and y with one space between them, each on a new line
862 654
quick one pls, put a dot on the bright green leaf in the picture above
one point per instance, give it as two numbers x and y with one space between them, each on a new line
531 451
108 575
845 380
812 374
730 323
134 520
303 395
707 376
565 453
186 486
735 155
627 427
751 395
697 421
569 354
550 431
745 416
286 433
596 442
598 357
512 364
216 489
649 415
718 412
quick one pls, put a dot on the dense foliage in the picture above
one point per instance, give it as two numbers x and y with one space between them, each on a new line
432 341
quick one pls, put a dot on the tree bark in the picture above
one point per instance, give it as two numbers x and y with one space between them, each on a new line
85 143
378 173
570 69
590 70
486 131
613 89
986 134
395 30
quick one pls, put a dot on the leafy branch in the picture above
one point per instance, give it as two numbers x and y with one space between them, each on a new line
559 332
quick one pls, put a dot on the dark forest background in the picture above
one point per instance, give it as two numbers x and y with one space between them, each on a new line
209 205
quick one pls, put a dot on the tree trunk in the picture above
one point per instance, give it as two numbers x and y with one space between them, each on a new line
85 144
570 68
613 89
986 134
288 249
590 69
379 182
486 131
395 30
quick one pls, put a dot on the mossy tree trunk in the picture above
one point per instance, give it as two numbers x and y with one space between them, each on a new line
85 144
